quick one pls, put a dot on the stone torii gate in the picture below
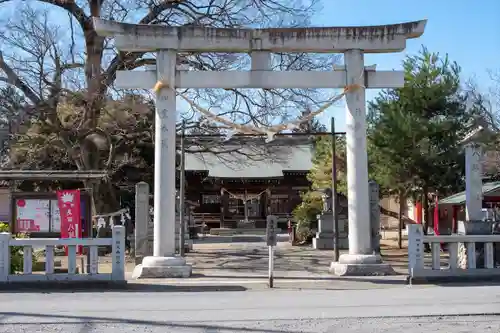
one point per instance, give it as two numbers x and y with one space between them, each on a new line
166 41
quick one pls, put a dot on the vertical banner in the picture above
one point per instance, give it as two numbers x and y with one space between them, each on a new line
69 209
418 212
436 216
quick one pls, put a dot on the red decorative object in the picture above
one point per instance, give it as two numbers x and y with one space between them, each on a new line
418 212
21 203
26 225
69 208
436 216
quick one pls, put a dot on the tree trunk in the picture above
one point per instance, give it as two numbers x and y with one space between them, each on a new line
400 218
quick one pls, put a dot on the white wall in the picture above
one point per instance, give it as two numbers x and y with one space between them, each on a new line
4 204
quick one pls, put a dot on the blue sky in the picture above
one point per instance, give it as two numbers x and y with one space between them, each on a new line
468 31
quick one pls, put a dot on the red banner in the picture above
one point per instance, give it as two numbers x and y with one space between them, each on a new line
69 208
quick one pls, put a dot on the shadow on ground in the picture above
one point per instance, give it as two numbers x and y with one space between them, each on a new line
255 259
391 280
130 287
295 259
82 320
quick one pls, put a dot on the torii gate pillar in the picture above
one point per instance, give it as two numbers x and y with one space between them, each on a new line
260 43
361 259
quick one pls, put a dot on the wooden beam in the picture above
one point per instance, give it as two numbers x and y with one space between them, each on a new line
258 79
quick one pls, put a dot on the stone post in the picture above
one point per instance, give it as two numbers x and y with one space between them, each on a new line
473 207
473 182
415 249
5 256
141 221
118 253
324 236
375 215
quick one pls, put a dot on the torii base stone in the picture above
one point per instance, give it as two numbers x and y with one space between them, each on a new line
361 265
162 267
363 258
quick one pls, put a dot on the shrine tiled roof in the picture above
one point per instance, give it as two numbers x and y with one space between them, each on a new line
252 162
459 198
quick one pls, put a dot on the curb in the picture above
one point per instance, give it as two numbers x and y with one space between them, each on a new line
47 286
451 279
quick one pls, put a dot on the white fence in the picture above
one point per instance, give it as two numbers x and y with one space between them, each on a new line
117 242
451 269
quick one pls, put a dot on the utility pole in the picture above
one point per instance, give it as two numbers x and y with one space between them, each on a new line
335 211
182 184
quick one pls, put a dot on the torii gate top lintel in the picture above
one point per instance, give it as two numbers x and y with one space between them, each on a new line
370 39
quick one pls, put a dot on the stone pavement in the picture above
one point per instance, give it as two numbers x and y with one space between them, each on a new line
221 260
252 257
245 264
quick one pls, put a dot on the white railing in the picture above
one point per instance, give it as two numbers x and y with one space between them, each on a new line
117 243
417 268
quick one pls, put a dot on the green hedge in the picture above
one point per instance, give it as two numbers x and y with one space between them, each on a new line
16 252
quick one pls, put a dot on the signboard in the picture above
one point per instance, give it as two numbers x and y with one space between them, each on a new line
39 213
55 216
69 211
415 247
32 215
272 241
271 226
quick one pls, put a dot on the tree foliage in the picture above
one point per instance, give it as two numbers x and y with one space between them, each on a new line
414 134
320 177
416 131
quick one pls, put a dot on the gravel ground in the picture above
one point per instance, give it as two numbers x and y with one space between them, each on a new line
470 324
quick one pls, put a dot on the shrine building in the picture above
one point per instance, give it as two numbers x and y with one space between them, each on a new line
266 176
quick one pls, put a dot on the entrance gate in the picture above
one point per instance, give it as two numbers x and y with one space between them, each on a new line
354 78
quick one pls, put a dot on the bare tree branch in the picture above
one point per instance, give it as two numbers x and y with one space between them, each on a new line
14 79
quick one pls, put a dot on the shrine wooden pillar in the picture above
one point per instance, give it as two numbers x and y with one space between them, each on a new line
264 203
224 206
291 199
454 218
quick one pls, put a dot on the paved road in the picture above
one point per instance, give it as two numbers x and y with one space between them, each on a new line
164 310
